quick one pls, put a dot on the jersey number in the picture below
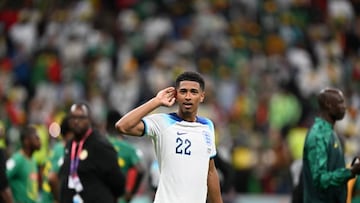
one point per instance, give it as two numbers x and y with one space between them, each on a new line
183 146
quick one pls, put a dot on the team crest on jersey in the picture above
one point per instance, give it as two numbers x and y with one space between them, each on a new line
207 140
207 137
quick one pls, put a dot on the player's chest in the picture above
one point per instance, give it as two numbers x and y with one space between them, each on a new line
188 142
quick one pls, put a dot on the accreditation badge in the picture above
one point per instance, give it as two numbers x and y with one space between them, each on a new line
71 183
74 183
77 199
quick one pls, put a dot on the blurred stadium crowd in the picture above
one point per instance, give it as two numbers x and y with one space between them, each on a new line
264 60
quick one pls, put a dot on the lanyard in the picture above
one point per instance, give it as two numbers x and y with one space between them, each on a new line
74 158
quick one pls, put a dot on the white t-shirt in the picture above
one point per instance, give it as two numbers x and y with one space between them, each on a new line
183 150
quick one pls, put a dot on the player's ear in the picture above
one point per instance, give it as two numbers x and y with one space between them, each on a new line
202 97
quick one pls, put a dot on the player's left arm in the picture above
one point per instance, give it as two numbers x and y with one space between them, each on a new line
214 193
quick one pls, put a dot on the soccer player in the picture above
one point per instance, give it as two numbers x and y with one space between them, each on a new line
21 169
184 142
324 173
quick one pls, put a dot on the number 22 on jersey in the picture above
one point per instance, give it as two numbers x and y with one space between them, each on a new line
183 146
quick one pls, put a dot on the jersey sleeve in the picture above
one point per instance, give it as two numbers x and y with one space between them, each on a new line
12 166
213 142
153 125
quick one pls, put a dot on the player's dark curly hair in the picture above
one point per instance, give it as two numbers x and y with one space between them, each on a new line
26 132
190 76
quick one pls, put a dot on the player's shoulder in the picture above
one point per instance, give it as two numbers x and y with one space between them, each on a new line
59 146
204 120
16 159
320 127
157 116
318 132
18 156
165 117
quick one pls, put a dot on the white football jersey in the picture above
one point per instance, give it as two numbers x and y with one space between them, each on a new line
183 150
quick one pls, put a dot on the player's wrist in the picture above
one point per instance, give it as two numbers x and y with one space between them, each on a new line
156 101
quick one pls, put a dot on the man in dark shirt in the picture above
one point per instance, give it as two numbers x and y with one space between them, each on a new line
90 172
324 173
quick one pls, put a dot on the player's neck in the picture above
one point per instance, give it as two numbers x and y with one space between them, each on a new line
190 117
327 118
27 153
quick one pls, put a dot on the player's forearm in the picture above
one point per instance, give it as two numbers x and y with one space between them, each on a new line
214 192
133 118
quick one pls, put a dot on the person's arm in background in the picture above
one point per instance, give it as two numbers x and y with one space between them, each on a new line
133 181
53 174
130 123
214 192
135 173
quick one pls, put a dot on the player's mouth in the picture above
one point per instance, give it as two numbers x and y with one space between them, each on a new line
187 105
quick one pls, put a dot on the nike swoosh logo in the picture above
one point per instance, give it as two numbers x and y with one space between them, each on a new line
180 133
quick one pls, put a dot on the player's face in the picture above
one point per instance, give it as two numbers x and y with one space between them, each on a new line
79 120
188 96
34 141
338 107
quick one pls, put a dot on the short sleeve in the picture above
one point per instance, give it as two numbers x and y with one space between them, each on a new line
213 141
12 166
153 124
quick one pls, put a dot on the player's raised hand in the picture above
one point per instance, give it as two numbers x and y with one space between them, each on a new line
167 96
